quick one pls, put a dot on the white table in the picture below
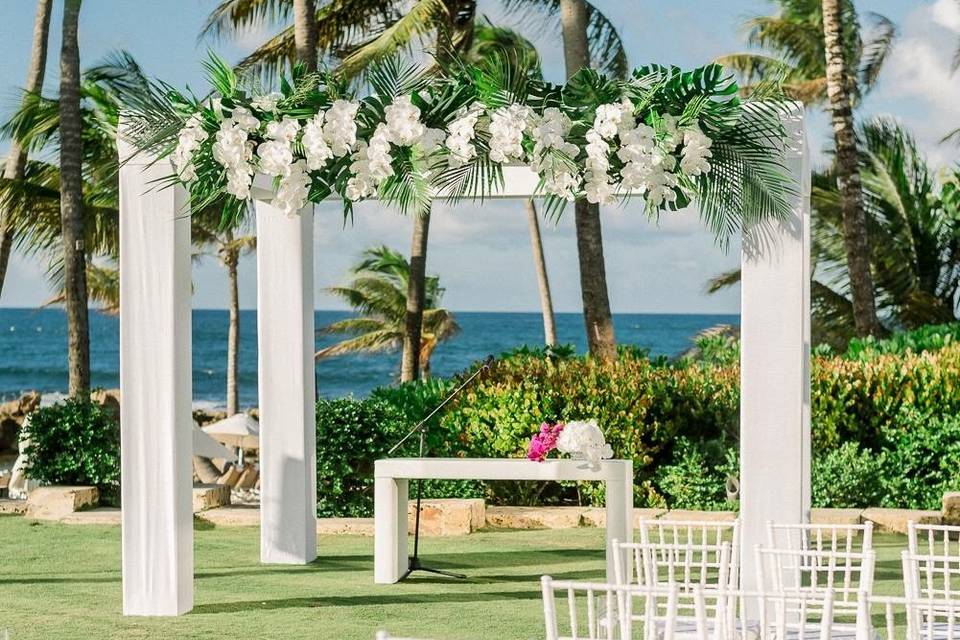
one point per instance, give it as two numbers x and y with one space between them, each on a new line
391 478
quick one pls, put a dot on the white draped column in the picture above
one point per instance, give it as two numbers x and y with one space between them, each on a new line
288 464
775 364
155 387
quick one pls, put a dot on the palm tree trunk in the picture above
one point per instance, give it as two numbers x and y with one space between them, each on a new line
593 276
305 32
17 156
416 291
71 206
848 174
231 260
543 282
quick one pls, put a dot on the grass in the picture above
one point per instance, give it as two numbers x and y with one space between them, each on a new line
63 581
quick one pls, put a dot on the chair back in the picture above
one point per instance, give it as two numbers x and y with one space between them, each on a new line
848 538
687 565
600 611
846 575
933 539
698 533
931 576
927 619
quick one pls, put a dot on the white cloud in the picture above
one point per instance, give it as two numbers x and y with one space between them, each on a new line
919 79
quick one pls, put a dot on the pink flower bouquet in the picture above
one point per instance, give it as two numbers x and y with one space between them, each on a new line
544 441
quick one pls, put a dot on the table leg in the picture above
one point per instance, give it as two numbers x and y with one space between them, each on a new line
390 529
619 518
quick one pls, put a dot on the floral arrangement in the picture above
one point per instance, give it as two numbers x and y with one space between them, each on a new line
666 135
580 439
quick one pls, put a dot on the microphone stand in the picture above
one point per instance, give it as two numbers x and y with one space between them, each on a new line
420 428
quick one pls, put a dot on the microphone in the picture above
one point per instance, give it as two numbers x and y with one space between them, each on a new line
420 427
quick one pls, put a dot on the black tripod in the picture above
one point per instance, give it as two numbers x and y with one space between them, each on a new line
421 428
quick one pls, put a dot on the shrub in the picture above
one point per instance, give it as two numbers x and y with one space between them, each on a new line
922 457
926 338
846 477
696 478
351 435
75 442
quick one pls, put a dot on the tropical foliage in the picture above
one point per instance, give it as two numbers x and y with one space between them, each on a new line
913 218
359 32
378 292
791 44
695 138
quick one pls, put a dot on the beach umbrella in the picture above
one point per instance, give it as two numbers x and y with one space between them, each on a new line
239 430
206 447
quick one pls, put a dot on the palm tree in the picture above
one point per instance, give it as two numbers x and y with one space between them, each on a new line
914 224
33 202
593 274
792 45
848 174
819 48
520 53
360 32
71 206
17 156
207 231
377 291
356 32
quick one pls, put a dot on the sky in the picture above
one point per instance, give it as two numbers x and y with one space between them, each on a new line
482 253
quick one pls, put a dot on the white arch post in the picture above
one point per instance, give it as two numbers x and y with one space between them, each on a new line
155 392
287 390
155 378
775 364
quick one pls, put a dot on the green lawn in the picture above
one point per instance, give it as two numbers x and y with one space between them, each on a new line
61 581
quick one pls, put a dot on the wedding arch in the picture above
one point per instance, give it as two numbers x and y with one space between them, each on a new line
666 136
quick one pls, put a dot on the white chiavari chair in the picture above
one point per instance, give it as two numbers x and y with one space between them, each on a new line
849 538
601 611
926 619
931 576
698 533
805 615
848 576
690 567
933 539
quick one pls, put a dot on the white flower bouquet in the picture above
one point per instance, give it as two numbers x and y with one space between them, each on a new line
584 440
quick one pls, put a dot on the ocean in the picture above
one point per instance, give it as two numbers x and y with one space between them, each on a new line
33 349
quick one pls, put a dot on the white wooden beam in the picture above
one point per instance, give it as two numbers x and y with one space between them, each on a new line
775 364
288 463
155 387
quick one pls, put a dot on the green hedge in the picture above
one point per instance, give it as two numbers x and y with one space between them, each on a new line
76 442
679 423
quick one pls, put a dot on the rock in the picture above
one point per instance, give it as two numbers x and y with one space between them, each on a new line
895 520
248 478
230 477
534 517
836 516
597 516
448 517
21 406
9 434
210 496
699 516
950 512
53 503
109 399
345 526
13 506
